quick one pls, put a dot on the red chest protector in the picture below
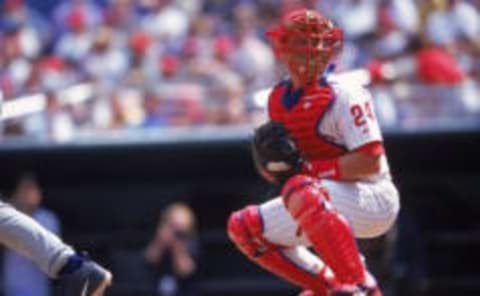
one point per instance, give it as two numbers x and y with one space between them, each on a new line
302 118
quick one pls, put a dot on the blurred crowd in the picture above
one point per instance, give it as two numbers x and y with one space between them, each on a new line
185 63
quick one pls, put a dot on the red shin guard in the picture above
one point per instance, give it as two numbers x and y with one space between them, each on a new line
245 228
327 230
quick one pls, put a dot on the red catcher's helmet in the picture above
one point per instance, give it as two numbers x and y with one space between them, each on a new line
305 42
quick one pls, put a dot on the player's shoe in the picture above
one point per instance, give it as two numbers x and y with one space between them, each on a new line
89 279
345 290
308 293
355 291
370 288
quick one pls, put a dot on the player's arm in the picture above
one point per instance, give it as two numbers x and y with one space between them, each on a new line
358 126
360 163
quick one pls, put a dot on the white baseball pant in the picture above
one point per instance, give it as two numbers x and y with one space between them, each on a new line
370 208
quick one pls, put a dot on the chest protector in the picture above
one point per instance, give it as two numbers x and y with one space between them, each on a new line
301 112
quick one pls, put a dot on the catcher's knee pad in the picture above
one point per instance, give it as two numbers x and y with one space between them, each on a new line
327 230
303 193
245 229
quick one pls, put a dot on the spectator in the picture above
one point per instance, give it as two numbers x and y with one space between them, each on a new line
76 43
166 21
453 21
55 73
55 123
106 62
394 33
91 12
356 17
153 116
33 29
171 107
436 66
455 25
227 105
405 15
21 277
252 58
143 66
173 251
121 15
16 67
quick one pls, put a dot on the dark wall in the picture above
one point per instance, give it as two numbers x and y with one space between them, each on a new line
109 197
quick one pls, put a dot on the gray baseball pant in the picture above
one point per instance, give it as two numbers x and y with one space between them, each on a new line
24 235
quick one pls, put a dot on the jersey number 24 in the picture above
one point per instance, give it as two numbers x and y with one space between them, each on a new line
362 113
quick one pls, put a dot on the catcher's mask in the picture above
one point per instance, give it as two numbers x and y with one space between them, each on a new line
305 42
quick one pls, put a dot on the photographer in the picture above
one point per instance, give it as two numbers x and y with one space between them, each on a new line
173 252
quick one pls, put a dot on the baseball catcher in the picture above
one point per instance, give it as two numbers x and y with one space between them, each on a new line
323 146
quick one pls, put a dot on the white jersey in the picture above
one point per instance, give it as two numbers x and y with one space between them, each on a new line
370 205
351 122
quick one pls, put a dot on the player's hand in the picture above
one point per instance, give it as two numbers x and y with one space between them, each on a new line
275 154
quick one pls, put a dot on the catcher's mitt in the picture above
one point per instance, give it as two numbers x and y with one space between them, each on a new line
275 153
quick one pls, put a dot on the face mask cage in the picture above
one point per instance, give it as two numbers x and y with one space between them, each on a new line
305 42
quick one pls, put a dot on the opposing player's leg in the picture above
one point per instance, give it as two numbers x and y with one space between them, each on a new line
58 260
248 230
21 233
